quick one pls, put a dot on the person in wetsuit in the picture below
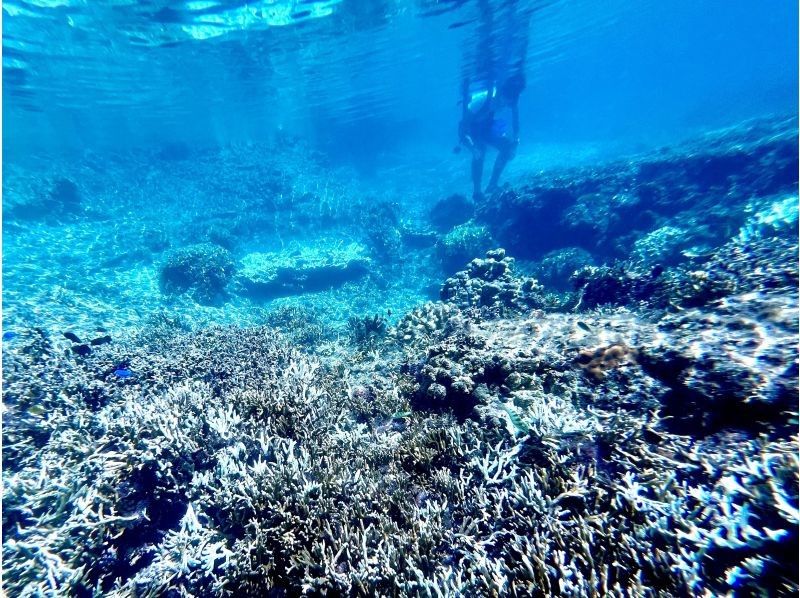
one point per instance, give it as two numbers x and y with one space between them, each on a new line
491 117
494 78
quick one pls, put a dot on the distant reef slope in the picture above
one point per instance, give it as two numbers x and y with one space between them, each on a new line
700 189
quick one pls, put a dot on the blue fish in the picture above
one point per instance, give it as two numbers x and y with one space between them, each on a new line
123 373
7 336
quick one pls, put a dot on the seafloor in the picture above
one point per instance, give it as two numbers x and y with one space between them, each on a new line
241 372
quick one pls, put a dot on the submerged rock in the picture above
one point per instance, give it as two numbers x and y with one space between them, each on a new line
417 238
451 211
306 270
63 198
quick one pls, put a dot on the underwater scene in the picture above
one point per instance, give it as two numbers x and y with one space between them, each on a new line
438 298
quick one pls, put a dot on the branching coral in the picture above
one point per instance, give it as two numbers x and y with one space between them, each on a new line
367 331
232 464
204 269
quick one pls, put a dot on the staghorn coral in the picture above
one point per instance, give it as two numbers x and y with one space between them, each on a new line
301 325
367 331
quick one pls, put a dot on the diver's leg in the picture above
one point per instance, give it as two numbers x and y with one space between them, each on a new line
504 153
478 154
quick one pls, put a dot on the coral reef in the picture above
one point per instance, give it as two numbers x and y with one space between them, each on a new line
231 464
635 437
381 225
599 361
734 365
473 362
203 269
663 246
758 265
556 268
301 325
427 323
702 187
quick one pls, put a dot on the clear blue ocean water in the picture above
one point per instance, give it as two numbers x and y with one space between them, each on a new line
245 263
373 78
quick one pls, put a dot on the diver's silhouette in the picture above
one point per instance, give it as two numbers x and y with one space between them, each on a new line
492 80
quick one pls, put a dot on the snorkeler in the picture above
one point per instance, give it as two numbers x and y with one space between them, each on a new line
494 78
491 117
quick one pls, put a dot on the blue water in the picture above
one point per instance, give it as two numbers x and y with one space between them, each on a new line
371 78
267 333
